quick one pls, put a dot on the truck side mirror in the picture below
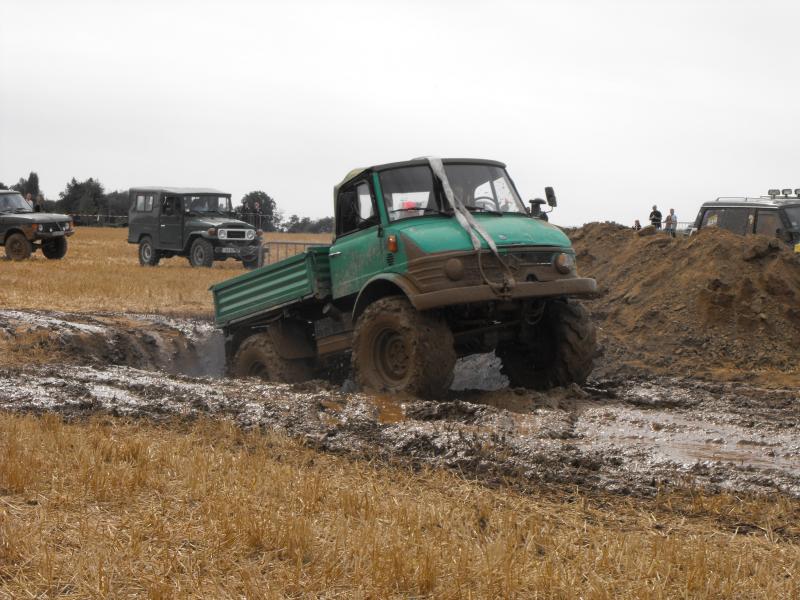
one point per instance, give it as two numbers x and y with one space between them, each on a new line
551 197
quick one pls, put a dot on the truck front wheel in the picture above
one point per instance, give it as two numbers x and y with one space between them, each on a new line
201 254
18 247
257 357
398 349
557 351
54 248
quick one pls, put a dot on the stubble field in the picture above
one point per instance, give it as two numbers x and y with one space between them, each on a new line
97 502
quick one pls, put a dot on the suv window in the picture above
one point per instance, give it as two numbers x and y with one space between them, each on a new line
737 220
144 203
768 222
355 209
170 206
712 217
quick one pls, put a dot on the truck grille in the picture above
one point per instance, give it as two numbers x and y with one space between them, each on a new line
235 234
51 227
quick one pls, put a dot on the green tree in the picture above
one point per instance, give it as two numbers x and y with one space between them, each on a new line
82 197
28 186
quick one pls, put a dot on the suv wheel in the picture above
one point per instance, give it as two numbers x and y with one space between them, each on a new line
398 349
18 247
201 254
148 256
54 248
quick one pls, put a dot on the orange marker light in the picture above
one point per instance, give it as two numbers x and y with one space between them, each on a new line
391 243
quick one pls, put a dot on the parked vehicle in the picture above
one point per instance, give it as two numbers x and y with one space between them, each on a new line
775 215
431 260
23 231
196 223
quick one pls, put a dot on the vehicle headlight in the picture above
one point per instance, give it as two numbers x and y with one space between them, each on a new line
250 235
564 263
222 234
454 269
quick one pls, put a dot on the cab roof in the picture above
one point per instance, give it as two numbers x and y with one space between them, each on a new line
762 201
179 190
415 162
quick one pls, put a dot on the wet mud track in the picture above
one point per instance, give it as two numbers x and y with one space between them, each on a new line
625 436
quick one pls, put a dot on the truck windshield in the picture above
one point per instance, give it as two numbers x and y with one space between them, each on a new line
14 203
208 204
410 191
484 188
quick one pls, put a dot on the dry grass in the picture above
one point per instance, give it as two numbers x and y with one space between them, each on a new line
101 272
112 509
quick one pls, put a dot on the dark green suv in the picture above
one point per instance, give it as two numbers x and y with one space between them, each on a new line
196 223
23 231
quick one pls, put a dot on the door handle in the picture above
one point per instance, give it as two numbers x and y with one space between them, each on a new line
332 254
163 225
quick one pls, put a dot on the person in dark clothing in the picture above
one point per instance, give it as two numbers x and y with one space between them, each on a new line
636 225
655 217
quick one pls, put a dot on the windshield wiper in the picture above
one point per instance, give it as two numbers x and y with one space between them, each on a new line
485 210
422 208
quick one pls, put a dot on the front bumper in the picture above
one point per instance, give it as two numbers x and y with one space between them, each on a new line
49 235
236 251
472 294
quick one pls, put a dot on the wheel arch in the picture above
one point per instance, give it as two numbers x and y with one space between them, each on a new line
11 231
380 286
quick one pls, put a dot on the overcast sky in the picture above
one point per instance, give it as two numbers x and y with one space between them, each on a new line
618 105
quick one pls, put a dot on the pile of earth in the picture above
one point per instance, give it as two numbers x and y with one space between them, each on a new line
713 304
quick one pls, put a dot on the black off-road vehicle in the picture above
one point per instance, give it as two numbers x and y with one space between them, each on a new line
196 223
775 215
23 231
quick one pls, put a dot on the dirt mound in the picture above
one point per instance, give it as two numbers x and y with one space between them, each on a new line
705 305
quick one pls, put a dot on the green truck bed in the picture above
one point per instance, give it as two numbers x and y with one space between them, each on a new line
300 278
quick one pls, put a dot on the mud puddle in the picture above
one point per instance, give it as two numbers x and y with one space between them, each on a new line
629 436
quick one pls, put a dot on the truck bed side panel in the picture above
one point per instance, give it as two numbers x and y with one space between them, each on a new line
303 277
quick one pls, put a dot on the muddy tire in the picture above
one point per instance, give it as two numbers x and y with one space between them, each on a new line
257 357
54 248
148 255
560 349
398 349
18 247
201 254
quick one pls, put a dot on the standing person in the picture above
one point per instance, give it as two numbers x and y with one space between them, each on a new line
671 223
636 225
38 206
655 217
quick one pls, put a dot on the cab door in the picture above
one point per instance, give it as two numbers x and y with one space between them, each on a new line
170 221
357 253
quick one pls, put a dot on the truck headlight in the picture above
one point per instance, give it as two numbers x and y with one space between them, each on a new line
222 234
564 263
250 235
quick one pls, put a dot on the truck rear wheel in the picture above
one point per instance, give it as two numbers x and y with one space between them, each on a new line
54 248
18 247
201 254
148 256
398 349
257 357
559 350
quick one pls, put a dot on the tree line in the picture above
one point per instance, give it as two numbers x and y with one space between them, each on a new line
89 200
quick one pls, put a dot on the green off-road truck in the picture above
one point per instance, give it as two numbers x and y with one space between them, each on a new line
432 259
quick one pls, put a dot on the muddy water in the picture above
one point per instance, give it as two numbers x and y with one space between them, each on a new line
631 436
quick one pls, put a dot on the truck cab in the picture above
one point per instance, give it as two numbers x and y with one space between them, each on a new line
196 223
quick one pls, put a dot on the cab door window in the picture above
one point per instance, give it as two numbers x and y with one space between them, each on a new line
738 220
355 209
